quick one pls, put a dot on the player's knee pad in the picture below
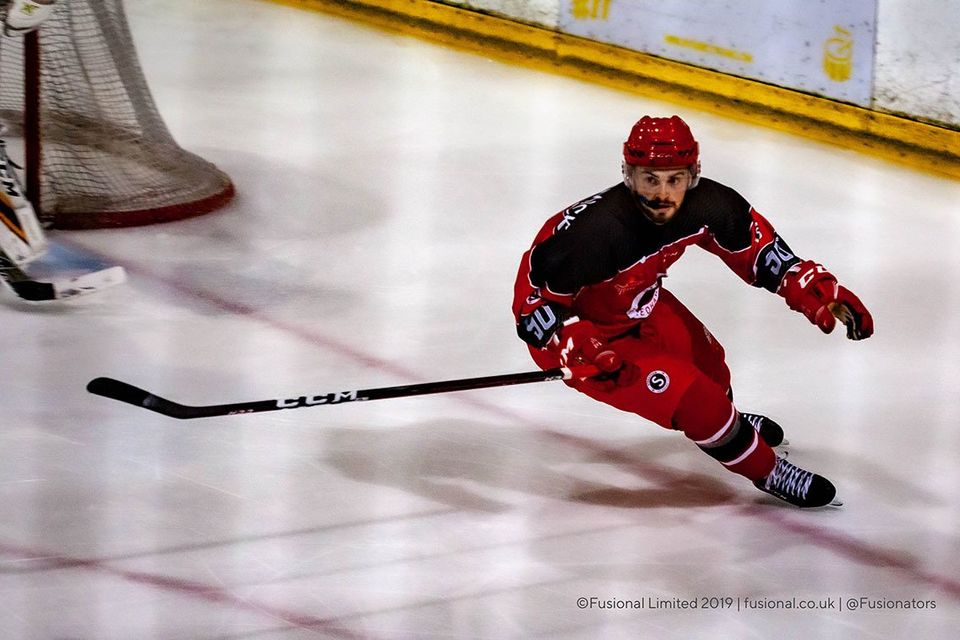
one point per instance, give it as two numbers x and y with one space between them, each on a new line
707 417
730 442
704 412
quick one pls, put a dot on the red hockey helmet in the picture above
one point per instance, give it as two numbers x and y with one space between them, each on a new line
662 142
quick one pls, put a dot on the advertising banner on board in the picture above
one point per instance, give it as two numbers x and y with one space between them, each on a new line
824 47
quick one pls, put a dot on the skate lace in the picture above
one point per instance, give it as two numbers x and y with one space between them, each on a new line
789 479
754 420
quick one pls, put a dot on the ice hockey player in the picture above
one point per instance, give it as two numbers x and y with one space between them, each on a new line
589 291
21 238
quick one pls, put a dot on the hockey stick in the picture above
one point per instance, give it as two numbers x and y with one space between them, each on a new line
117 390
41 291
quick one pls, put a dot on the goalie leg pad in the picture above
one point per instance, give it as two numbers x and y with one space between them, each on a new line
21 237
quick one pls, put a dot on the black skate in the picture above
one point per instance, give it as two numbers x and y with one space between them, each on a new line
769 431
798 487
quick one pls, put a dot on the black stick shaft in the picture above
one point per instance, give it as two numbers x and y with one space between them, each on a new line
21 283
124 392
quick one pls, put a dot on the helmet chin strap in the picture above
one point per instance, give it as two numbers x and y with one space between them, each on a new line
644 205
643 201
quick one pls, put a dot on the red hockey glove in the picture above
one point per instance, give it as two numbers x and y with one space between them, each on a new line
579 342
848 309
813 291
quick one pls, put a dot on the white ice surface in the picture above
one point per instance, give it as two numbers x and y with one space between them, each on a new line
386 190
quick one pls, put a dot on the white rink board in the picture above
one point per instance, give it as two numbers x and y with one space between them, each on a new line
824 47
917 60
905 53
541 12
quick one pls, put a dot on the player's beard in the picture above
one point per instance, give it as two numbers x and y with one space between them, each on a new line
659 211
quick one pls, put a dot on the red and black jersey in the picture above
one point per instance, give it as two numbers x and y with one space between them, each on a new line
602 259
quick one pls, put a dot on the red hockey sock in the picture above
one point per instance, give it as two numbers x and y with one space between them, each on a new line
706 416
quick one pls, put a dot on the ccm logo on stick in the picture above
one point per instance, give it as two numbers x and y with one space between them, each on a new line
329 398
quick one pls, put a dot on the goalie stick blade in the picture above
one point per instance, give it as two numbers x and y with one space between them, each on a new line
88 283
40 291
34 291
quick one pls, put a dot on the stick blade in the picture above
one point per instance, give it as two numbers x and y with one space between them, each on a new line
126 392
66 288
34 291
118 390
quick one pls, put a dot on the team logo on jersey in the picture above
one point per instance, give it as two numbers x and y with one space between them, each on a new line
658 381
644 303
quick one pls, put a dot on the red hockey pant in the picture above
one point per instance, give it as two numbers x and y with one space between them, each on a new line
683 385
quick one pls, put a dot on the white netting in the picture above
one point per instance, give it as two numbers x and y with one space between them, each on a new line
107 156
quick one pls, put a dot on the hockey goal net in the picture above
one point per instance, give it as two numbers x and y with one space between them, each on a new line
96 152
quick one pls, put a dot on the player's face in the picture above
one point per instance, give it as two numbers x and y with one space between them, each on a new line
660 191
